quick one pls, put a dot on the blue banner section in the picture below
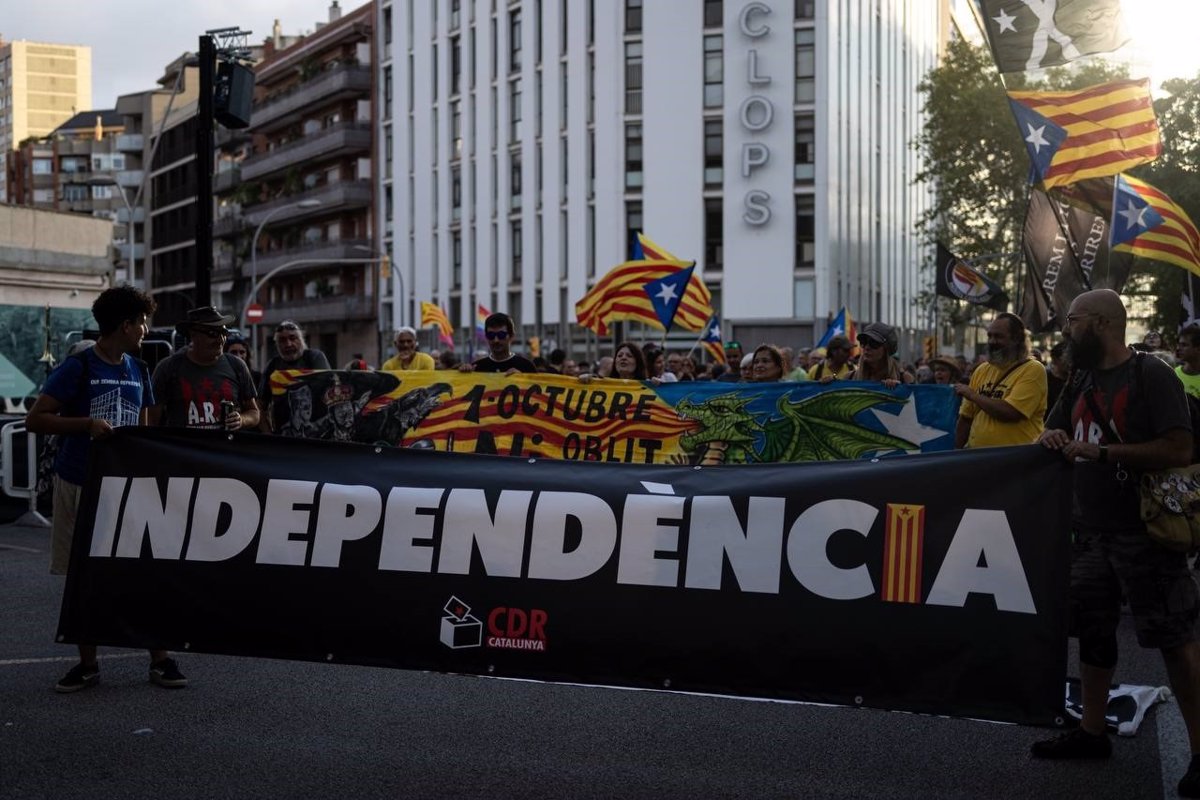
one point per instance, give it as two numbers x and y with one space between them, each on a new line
752 422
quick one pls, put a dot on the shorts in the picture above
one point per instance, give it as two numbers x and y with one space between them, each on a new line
1162 595
62 529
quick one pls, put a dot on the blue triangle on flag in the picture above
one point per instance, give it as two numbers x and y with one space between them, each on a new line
1132 214
667 293
713 332
1042 137
636 253
836 328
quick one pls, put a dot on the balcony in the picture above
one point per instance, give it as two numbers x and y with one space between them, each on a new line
319 309
336 140
339 196
228 225
139 214
130 178
288 107
74 147
312 254
227 179
130 142
139 251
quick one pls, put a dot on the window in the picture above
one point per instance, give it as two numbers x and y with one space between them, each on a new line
806 9
714 248
591 88
515 231
538 243
514 111
806 150
455 194
495 45
562 31
471 58
714 71
806 64
387 153
456 260
633 156
514 174
714 143
434 72
102 192
591 164
43 166
387 92
565 167
633 225
456 141
537 104
514 40
713 13
633 16
633 78
455 65
455 14
387 25
806 250
562 107
74 192
537 32
564 244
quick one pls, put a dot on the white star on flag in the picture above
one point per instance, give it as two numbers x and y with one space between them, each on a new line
666 292
715 331
1134 218
1036 138
1005 21
906 426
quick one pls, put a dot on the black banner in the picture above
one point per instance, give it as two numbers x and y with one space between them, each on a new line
927 583
1066 249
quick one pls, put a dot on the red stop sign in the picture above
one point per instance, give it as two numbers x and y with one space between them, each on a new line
254 313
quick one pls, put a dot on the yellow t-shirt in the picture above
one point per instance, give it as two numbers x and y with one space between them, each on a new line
419 361
1024 388
1191 383
823 369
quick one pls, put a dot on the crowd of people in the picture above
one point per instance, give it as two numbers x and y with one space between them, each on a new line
1083 404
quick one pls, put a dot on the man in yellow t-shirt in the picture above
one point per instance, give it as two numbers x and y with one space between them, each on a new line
1006 399
407 357
1188 354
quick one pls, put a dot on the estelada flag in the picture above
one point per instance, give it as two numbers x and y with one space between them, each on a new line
1149 224
621 295
432 314
1090 133
712 340
958 280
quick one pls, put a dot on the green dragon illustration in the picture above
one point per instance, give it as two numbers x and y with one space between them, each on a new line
817 428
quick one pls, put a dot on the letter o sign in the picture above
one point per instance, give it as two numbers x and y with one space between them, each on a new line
756 112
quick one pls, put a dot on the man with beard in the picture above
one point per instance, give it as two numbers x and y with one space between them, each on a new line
499 330
294 353
1122 414
1005 402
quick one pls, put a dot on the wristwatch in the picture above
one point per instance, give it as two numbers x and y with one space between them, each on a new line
1103 453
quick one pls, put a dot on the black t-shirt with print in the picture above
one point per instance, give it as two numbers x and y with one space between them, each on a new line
489 364
1143 406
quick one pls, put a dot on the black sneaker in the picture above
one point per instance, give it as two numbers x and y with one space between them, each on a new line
80 677
1189 785
1074 744
166 673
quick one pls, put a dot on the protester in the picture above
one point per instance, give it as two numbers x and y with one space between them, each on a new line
202 386
448 359
293 353
236 345
1187 351
89 394
570 368
766 364
499 330
1057 372
1005 402
1153 340
357 363
945 370
835 363
687 369
746 368
558 358
407 357
733 358
629 363
879 344
604 367
656 363
1119 432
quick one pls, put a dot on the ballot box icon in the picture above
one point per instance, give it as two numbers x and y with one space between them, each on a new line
459 628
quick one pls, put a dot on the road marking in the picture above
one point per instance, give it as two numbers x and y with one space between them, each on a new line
14 662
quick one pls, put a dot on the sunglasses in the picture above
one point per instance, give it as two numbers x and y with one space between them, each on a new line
496 335
871 343
212 333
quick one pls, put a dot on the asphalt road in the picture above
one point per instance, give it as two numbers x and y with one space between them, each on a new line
264 729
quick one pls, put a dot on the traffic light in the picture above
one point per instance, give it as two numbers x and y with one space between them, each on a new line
385 268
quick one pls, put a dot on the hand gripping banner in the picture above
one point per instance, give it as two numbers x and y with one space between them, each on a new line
552 416
933 583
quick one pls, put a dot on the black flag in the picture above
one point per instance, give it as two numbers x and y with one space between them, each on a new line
957 279
1035 34
1066 249
1191 293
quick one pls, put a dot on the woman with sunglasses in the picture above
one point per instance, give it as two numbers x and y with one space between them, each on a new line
878 362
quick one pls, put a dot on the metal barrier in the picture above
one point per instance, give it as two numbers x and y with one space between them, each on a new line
15 465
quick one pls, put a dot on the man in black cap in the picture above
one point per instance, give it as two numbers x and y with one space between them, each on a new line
202 386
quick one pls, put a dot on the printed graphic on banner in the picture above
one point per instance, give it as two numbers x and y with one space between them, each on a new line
554 416
855 579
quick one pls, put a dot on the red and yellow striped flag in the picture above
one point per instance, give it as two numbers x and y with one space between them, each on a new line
1174 240
1109 128
903 550
621 295
432 314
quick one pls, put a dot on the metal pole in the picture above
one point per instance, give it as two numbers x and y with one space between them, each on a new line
254 277
204 173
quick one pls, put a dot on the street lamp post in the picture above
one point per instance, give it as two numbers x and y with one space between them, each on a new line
397 297
309 203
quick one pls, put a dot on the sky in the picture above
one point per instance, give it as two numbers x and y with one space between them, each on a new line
133 40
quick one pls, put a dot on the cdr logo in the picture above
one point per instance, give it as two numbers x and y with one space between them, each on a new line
508 628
